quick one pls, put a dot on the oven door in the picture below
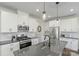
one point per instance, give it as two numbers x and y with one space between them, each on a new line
24 45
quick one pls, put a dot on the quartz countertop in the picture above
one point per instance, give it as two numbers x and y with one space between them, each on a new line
39 50
7 42
70 38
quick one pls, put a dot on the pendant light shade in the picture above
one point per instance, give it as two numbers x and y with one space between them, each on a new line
44 12
44 15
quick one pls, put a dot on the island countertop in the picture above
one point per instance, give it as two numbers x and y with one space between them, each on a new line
38 50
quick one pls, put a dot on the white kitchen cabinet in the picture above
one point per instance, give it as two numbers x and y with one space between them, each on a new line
8 21
71 43
35 41
8 49
69 25
53 23
74 44
25 19
44 38
14 46
22 18
5 50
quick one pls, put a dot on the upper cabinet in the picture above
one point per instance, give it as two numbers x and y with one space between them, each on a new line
33 24
8 21
53 23
25 19
22 18
69 25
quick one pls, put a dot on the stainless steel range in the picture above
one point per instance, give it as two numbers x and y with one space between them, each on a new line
24 41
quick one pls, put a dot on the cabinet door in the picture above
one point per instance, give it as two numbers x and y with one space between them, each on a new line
34 41
6 51
22 18
70 25
69 44
74 45
69 41
8 21
14 46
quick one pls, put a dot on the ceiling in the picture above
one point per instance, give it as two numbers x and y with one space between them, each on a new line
51 8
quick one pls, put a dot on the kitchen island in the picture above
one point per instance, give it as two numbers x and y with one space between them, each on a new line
40 50
33 50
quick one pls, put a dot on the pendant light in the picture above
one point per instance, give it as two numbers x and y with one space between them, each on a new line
58 36
57 12
44 13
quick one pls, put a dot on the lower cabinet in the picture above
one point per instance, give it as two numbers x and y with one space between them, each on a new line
14 46
8 49
35 41
71 44
74 45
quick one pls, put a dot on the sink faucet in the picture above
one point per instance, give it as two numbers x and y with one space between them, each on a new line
47 37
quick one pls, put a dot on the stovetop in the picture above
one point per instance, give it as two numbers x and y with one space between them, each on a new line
23 38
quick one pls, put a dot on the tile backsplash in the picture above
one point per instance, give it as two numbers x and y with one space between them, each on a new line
70 34
8 36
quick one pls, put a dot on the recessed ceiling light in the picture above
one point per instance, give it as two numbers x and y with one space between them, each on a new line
71 10
37 10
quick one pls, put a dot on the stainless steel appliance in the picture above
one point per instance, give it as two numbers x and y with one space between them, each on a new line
54 34
23 28
25 41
